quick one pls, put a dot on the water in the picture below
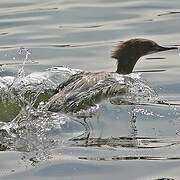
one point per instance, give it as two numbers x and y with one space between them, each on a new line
128 141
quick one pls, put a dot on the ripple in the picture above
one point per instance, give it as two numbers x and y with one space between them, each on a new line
130 158
169 13
128 142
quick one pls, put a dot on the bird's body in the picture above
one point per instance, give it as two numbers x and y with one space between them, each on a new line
127 54
71 88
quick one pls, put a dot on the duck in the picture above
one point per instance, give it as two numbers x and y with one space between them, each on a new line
126 53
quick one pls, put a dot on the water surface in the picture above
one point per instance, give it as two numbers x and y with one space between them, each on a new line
127 141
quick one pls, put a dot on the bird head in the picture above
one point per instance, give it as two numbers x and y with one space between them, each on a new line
128 52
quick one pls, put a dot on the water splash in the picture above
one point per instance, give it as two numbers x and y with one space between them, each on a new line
17 91
32 129
36 132
137 91
65 70
147 112
117 89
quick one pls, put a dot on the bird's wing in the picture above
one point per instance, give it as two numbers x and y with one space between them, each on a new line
72 87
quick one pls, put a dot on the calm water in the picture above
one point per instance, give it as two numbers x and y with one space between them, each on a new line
120 141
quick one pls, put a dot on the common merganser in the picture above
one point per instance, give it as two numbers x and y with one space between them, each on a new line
126 53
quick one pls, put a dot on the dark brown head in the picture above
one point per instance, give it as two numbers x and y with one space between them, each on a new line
128 52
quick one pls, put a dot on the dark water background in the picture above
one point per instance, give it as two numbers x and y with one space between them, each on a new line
81 34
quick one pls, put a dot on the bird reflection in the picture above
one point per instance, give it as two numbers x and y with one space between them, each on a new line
87 139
